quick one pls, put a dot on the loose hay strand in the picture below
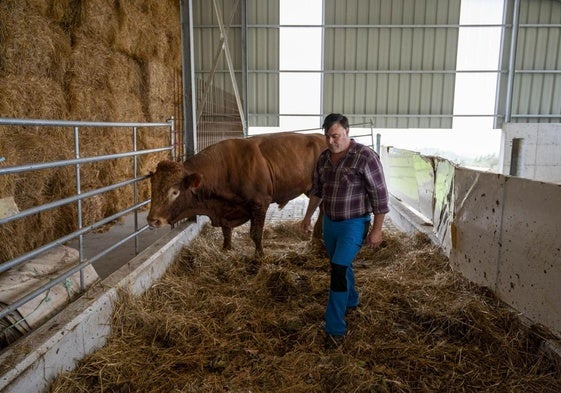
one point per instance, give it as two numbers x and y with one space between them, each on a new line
223 321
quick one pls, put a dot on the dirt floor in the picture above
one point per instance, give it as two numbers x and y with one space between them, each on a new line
227 322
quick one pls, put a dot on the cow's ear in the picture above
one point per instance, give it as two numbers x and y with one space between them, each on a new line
192 181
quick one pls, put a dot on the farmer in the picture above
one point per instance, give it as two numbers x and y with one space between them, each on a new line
348 181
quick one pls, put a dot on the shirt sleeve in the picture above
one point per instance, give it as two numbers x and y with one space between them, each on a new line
375 182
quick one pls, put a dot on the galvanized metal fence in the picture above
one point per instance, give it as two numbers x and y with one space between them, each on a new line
78 197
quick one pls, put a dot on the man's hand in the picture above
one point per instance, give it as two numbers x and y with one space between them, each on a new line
305 226
306 223
374 238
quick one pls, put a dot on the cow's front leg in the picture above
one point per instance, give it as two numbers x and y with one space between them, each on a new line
256 230
227 233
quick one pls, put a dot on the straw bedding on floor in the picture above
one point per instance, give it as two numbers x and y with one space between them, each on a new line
227 322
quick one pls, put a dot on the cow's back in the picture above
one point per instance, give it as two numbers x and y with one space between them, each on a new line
290 158
277 165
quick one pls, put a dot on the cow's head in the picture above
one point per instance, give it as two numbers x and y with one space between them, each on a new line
173 190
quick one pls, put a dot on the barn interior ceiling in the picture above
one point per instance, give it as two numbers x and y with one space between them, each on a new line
381 59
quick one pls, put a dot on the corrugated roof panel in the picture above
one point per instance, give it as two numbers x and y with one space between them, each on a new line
262 53
263 57
263 87
207 41
391 68
536 80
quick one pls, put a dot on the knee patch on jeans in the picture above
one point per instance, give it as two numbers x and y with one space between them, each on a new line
338 278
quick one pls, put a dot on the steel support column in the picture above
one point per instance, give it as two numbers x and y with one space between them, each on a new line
188 76
512 60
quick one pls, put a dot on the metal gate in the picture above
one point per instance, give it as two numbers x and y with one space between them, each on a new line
15 323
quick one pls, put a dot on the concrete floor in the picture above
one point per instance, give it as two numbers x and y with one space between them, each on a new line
95 242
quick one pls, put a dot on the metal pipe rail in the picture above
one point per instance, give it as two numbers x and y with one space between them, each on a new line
79 196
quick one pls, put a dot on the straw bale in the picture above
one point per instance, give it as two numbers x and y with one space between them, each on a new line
150 30
128 108
160 93
107 89
43 98
90 64
223 321
88 85
31 97
41 51
98 20
126 75
107 140
60 11
90 104
40 7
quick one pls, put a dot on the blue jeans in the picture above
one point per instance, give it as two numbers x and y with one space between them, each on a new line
343 240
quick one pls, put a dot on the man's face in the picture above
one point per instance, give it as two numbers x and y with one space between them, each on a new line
337 138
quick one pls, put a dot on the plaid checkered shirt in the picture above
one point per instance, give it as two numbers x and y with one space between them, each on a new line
352 188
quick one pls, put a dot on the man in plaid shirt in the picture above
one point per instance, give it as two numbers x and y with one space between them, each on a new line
348 181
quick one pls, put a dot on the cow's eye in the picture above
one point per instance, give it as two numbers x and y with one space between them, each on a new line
173 193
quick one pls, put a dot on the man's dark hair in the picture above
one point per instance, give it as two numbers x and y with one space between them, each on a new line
333 118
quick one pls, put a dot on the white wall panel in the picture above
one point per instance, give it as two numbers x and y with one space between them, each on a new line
529 266
476 226
540 153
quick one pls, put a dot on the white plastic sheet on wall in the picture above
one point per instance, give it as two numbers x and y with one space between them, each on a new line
423 185
410 177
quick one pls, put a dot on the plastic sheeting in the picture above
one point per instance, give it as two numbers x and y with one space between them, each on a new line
424 185
18 282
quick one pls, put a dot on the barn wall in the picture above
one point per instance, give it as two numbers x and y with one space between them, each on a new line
500 232
262 56
384 59
506 237
537 153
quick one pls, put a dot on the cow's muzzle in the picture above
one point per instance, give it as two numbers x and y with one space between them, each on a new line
155 222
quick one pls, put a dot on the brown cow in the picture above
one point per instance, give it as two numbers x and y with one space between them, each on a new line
236 180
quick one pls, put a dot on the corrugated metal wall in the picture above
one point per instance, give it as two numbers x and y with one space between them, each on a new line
537 77
391 61
217 113
262 54
263 62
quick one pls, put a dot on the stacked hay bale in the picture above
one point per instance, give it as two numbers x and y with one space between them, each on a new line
95 60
